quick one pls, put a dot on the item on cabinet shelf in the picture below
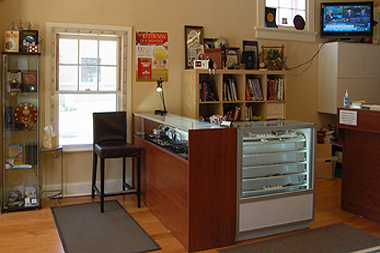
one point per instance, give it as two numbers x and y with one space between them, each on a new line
249 59
25 113
272 57
29 77
159 89
201 64
232 58
33 49
224 45
209 42
193 44
8 117
215 120
30 196
11 41
251 46
14 80
214 54
29 38
15 152
31 154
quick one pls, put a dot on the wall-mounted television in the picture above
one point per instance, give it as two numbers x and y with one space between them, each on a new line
347 19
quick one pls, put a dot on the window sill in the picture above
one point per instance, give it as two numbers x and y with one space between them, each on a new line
77 148
285 34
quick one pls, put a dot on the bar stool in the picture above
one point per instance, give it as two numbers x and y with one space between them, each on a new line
110 141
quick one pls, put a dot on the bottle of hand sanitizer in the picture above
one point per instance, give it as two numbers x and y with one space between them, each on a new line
346 100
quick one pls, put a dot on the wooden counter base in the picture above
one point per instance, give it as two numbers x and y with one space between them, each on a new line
194 199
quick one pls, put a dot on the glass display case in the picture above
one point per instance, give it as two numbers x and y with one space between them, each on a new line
169 132
20 107
275 169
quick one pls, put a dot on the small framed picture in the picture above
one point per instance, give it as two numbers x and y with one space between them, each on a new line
233 58
29 38
193 44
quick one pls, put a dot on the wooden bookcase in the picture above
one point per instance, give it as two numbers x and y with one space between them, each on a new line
195 108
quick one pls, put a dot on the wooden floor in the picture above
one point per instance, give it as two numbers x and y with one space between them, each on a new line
35 231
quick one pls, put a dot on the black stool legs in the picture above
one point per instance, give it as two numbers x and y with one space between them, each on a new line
126 187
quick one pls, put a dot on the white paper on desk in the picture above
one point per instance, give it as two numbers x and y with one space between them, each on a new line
347 117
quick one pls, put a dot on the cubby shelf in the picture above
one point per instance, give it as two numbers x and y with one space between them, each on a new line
195 107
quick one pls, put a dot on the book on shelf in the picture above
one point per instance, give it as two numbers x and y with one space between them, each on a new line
230 90
208 92
249 115
276 89
271 89
232 114
258 89
15 152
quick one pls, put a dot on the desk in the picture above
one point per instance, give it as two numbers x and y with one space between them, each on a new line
54 153
360 132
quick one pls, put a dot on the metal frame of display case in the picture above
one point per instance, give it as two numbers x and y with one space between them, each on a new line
20 110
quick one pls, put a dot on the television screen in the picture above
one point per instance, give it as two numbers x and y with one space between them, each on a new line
352 19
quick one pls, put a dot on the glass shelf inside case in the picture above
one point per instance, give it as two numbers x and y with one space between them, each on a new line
274 162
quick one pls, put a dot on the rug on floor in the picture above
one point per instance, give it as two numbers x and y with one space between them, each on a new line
335 238
83 228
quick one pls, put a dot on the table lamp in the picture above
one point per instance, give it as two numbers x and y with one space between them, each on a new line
160 90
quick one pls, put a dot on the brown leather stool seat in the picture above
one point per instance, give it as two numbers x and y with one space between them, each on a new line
110 141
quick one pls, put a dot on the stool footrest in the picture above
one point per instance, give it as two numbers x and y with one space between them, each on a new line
128 191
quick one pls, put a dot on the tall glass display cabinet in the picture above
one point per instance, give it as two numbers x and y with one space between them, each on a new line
275 177
20 131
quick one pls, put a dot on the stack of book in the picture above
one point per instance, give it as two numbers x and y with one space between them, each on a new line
208 92
232 114
229 90
275 89
253 90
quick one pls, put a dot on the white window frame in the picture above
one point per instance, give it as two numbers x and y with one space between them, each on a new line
286 33
51 95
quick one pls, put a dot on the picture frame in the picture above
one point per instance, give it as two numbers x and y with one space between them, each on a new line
209 42
28 38
233 58
193 44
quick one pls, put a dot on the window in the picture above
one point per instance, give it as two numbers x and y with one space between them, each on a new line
286 10
88 74
285 14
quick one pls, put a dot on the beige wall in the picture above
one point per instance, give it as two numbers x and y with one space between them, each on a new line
232 19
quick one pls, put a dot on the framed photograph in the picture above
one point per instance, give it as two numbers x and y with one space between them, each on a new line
193 44
233 58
